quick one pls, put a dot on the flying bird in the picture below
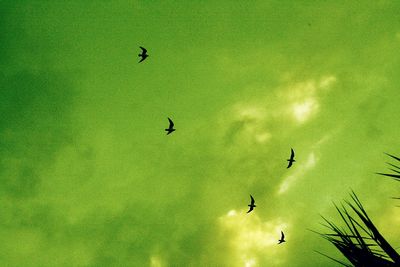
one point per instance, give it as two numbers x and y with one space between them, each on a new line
252 206
282 238
171 127
143 55
291 160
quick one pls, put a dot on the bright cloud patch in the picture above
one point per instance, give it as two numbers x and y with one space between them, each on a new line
304 97
250 263
327 81
303 111
252 239
300 171
298 101
155 262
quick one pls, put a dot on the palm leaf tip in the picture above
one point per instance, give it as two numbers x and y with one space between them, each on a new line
395 169
359 241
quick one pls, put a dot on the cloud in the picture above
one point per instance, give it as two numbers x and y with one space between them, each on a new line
303 97
36 107
303 110
155 261
36 113
251 239
326 82
249 125
92 189
300 171
254 122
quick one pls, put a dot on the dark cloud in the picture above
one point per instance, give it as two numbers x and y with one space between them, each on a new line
36 105
34 124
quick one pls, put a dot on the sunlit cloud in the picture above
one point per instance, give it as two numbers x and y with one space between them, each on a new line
327 81
299 91
299 173
250 238
299 101
304 97
155 261
250 263
303 111
302 169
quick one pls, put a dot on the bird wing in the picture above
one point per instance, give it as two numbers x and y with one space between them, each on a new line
290 164
251 208
143 58
282 236
171 123
252 200
292 153
144 49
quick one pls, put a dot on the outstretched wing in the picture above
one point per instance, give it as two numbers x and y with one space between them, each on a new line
252 200
143 58
143 49
292 153
290 163
171 123
282 236
251 208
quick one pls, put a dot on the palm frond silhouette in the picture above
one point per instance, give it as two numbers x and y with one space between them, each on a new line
359 241
395 169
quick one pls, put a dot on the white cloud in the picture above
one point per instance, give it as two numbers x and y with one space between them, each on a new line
299 101
155 262
251 238
304 97
302 111
231 213
301 169
250 263
327 81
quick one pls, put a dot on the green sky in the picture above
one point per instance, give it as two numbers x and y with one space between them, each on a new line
89 178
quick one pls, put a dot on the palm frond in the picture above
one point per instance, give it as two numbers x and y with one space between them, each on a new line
359 241
396 171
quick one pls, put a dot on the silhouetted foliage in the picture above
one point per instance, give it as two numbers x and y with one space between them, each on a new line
359 241
395 169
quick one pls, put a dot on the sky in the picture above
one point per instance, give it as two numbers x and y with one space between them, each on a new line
88 176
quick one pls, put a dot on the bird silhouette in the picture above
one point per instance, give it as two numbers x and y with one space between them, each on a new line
252 206
291 160
282 238
144 54
170 127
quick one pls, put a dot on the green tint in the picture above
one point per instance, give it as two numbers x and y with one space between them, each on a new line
89 178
